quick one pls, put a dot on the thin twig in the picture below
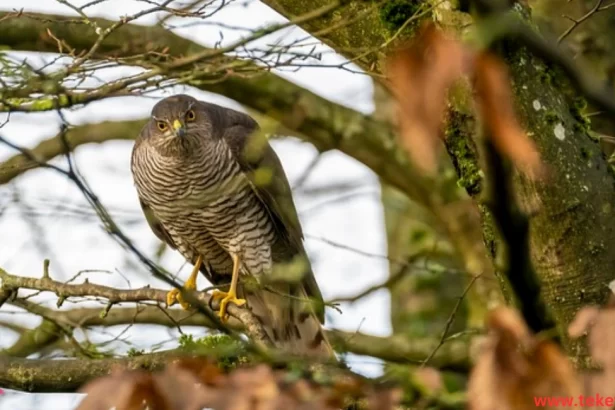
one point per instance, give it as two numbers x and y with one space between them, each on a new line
450 321
575 23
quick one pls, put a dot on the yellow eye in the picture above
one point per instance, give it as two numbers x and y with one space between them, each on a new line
162 126
190 115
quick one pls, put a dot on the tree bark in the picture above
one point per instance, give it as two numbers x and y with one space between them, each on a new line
589 39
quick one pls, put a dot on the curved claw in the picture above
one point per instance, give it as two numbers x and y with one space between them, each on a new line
226 298
174 296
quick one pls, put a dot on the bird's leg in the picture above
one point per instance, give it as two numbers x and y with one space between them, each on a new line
175 295
231 295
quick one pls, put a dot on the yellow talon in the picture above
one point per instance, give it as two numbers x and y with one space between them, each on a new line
172 296
231 295
227 297
175 295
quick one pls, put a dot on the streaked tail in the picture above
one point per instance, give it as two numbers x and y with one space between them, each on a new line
289 319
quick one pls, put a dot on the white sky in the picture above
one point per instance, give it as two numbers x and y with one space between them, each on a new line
75 244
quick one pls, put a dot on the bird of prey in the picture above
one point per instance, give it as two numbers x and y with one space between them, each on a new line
212 187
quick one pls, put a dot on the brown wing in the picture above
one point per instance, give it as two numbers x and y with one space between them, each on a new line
260 162
156 225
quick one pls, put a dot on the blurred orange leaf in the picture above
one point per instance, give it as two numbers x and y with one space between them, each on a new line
514 368
600 324
495 102
195 383
420 76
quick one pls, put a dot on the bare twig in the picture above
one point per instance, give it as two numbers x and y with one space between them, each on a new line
450 321
575 23
510 26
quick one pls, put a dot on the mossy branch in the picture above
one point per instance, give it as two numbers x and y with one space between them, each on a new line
453 355
48 375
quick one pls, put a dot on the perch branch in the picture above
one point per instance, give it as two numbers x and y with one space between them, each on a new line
64 290
452 355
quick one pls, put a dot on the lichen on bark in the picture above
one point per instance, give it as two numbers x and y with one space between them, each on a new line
463 152
570 210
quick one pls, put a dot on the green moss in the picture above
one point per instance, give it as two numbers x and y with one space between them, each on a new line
229 352
596 248
577 110
45 104
578 128
545 77
585 153
594 136
395 13
580 103
91 351
132 352
428 280
216 341
418 236
463 153
186 341
551 117
41 104
21 376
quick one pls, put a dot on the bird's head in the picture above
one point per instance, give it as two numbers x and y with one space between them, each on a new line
178 121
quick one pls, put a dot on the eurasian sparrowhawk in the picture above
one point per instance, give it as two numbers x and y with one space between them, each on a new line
212 188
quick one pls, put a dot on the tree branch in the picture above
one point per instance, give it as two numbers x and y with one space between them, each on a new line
34 340
53 147
453 354
251 324
48 375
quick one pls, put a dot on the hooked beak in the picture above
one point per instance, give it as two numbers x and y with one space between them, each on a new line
179 128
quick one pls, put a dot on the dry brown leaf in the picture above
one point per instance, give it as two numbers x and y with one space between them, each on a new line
207 371
123 391
583 321
385 399
420 76
430 378
514 368
193 384
600 324
602 337
495 102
